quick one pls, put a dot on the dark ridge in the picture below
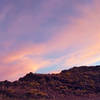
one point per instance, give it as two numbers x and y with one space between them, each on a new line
77 83
83 68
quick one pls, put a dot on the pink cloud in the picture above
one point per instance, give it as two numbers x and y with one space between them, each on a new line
83 33
13 70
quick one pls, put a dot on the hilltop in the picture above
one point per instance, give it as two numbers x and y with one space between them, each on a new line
77 83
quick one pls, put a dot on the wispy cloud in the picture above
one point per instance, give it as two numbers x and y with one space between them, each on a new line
75 39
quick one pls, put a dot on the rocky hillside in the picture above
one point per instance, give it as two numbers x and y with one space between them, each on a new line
77 83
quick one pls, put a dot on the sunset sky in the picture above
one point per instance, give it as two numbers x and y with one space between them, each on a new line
47 36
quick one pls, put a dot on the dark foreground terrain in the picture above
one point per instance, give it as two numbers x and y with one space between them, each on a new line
78 83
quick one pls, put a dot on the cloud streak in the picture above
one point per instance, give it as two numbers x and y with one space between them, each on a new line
74 41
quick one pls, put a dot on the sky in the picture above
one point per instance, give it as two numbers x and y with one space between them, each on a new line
47 36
